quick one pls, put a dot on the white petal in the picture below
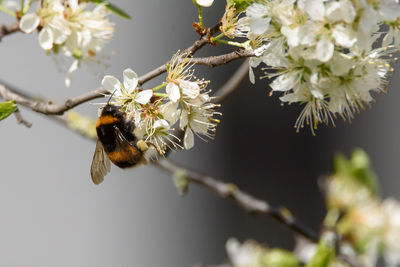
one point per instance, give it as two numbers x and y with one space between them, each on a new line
11 5
110 83
188 140
138 117
160 124
46 38
170 112
144 96
87 37
389 10
29 22
73 42
317 93
191 89
252 77
289 98
71 70
284 82
342 10
344 36
255 61
130 80
315 9
325 49
368 19
259 25
292 35
173 92
205 3
257 10
340 64
59 35
73 4
314 78
389 38
183 119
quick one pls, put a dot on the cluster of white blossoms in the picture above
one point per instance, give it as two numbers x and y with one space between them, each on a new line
359 226
328 55
69 27
368 227
372 226
186 102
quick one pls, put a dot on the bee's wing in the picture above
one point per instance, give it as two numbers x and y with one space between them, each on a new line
100 164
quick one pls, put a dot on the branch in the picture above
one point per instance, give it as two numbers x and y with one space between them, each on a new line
21 119
191 50
214 61
246 201
8 29
49 108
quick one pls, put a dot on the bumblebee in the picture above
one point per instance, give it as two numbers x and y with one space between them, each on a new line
116 142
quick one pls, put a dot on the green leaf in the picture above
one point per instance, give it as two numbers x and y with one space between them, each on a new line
279 257
112 8
358 168
240 5
323 256
6 109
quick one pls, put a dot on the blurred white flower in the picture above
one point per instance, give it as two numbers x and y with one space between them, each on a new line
204 3
391 239
242 255
68 27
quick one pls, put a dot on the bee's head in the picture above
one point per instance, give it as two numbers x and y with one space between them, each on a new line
111 110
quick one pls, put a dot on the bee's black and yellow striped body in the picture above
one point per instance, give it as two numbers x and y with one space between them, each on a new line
115 133
116 142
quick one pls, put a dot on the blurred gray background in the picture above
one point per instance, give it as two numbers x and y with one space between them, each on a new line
52 215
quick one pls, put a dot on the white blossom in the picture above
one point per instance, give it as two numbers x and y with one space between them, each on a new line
391 209
204 3
242 255
319 54
127 94
70 28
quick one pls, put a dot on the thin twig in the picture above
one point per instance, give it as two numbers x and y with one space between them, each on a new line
21 119
211 61
191 50
249 203
8 29
233 83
